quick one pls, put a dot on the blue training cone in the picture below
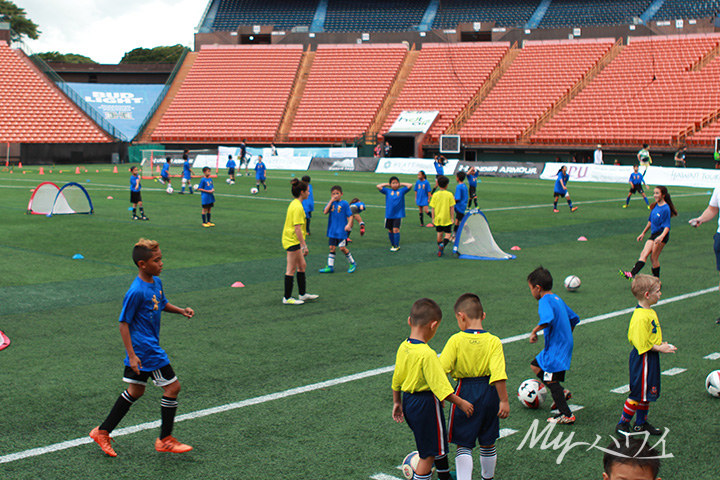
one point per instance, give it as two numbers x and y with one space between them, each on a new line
77 256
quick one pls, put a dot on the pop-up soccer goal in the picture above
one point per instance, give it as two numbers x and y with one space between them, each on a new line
154 159
474 241
49 199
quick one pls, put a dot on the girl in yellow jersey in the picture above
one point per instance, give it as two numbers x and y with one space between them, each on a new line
293 240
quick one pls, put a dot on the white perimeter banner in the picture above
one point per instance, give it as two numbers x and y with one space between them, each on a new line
202 161
668 176
414 121
272 162
413 166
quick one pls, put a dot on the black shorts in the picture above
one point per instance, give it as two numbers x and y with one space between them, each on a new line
161 377
208 205
548 376
472 192
560 194
636 189
459 216
391 223
657 234
135 197
231 171
294 248
443 229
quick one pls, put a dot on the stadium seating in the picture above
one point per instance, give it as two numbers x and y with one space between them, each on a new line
373 15
648 94
280 13
587 13
231 93
445 78
35 111
539 76
674 9
345 89
505 13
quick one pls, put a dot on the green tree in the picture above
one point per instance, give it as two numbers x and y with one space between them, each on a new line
58 57
20 24
154 55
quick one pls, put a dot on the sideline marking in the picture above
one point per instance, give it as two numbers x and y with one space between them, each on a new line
33 452
674 371
712 356
506 432
382 476
621 390
573 408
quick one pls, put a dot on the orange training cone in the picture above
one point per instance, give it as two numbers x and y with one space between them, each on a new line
115 169
42 171
77 170
19 164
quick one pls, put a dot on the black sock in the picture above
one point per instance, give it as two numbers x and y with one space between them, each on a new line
142 212
134 212
301 283
443 467
445 241
307 224
656 271
204 218
422 218
209 216
558 395
638 266
289 279
118 411
168 407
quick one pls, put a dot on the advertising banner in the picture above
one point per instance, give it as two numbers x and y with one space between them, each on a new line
414 121
360 164
413 165
504 169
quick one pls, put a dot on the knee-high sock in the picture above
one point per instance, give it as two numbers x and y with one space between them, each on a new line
118 411
638 266
464 463
642 411
168 408
301 283
488 460
443 467
629 410
289 280
558 395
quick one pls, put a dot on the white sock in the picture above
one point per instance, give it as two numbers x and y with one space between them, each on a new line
350 258
464 463
488 460
331 260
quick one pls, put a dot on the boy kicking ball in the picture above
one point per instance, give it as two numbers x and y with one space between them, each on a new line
139 330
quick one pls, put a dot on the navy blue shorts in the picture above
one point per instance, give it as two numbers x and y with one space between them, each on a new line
561 194
165 178
644 376
717 250
426 419
337 242
636 189
484 425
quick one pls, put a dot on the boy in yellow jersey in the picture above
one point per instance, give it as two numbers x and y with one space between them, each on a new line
475 358
645 335
443 212
423 383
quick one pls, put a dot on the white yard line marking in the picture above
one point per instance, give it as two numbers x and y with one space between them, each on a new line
621 390
712 356
573 408
295 391
506 432
674 371
382 476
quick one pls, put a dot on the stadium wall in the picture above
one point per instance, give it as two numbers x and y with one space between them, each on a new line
72 153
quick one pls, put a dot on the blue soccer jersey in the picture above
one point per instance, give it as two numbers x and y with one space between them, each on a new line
206 184
337 219
230 163
309 203
636 178
135 183
260 171
395 201
422 191
438 168
560 320
186 169
165 173
562 179
659 218
142 306
461 198
473 178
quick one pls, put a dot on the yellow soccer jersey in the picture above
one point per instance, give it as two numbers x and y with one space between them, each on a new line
418 369
295 216
441 202
644 330
474 355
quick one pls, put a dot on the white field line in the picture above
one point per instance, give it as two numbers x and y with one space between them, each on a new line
624 389
712 356
674 371
295 391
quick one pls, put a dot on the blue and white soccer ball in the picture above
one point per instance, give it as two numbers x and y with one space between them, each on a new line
228 181
169 190
531 393
712 383
409 464
572 283
254 191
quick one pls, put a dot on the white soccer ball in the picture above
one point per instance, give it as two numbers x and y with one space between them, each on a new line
531 393
712 383
254 191
196 186
409 465
169 190
572 283
228 181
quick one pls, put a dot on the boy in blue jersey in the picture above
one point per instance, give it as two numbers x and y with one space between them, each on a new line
140 333
419 384
472 178
135 195
207 197
561 189
645 336
339 224
475 359
260 173
636 186
165 174
422 196
231 169
558 321
394 192
461 200
187 173
356 206
308 204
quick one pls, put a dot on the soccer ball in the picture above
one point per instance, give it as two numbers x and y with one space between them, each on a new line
572 283
254 191
531 393
409 464
196 186
169 190
228 181
712 383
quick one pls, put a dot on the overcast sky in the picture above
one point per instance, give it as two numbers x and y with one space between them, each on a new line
105 30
